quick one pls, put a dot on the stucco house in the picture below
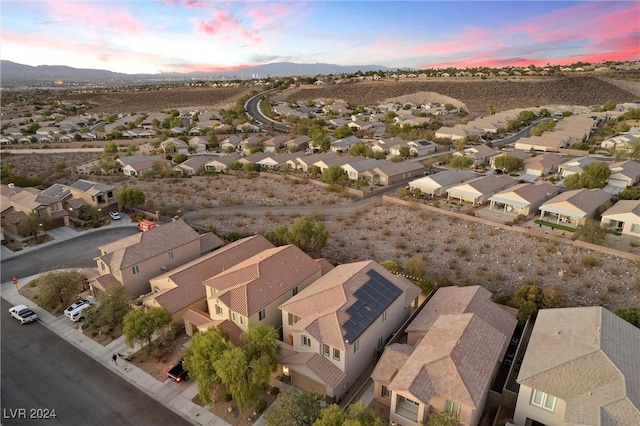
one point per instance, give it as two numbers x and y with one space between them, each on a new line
624 173
580 368
299 143
132 261
18 203
392 173
623 216
522 199
221 163
136 164
478 191
543 164
575 165
194 165
454 349
437 184
250 291
574 207
181 292
355 169
333 329
275 143
82 193
480 154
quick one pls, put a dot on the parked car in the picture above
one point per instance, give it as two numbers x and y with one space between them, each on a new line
78 313
23 313
114 215
77 304
177 373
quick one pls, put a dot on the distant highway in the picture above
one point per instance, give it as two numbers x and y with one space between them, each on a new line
252 107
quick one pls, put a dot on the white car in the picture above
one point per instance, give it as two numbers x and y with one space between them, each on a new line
23 313
78 313
114 215
77 304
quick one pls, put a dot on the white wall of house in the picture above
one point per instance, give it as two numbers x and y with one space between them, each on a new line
524 409
631 223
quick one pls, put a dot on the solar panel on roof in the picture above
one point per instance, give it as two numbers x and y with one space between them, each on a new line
373 298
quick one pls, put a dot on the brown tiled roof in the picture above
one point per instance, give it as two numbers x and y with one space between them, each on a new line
459 300
325 265
584 200
188 278
589 358
392 360
197 317
106 280
142 246
76 203
209 242
323 305
455 360
256 282
324 369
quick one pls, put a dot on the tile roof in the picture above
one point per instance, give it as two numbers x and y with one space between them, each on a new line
323 305
394 169
527 192
209 242
624 206
447 177
188 278
249 286
392 360
579 200
588 357
324 369
142 246
543 160
455 360
484 184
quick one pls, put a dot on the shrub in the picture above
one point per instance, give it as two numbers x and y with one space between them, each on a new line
261 406
227 397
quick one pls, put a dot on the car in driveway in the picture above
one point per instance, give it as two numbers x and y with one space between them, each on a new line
78 313
23 313
76 305
114 215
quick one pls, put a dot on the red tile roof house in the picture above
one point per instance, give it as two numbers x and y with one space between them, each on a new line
134 260
250 291
181 292
453 352
333 329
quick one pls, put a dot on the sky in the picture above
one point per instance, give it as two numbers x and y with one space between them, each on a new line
152 36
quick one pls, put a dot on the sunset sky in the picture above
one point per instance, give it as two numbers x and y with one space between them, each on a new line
150 36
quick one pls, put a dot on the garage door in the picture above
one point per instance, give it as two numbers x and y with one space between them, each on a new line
534 172
307 383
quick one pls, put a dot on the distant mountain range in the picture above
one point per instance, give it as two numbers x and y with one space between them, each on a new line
14 71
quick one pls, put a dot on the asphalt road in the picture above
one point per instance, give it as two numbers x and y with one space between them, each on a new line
252 107
76 253
41 373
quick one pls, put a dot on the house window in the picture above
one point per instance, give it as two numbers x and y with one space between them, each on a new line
218 310
295 291
241 319
262 314
306 341
336 354
356 346
411 401
380 341
543 400
386 393
635 228
293 319
170 255
452 407
234 317
384 316
135 269
325 350
102 266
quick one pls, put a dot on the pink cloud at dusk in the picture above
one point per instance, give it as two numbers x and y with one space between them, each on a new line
226 25
193 4
93 15
268 14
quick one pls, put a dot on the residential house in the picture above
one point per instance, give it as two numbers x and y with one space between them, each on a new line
624 217
298 144
623 141
458 132
198 144
392 173
574 207
624 173
480 154
356 168
249 143
580 368
437 184
231 144
135 164
247 127
520 155
548 142
478 191
454 348
18 203
522 199
194 165
275 143
575 165
174 145
337 160
542 165
251 291
181 292
421 147
132 261
305 162
333 329
280 160
254 158
221 163
344 144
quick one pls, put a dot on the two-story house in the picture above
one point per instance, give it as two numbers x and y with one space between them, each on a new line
132 261
333 329
581 367
453 352
18 203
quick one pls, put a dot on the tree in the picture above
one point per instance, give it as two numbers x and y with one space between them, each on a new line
309 235
391 266
295 408
443 418
531 297
90 214
594 175
139 325
110 308
415 266
334 174
130 197
314 170
199 359
111 147
33 224
459 162
342 132
508 163
356 415
132 149
180 158
629 193
57 289
631 315
592 232
609 105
